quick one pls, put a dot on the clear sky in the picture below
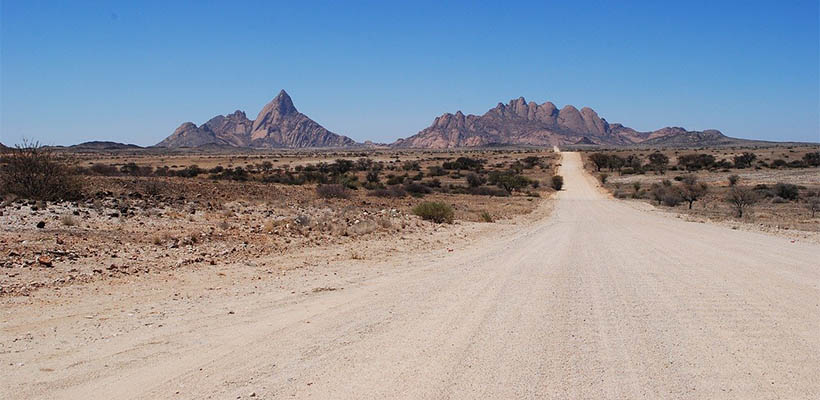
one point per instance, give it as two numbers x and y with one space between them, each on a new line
132 71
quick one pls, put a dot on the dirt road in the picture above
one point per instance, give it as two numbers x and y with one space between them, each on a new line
600 300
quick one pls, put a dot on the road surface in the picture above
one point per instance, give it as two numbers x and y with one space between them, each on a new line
601 300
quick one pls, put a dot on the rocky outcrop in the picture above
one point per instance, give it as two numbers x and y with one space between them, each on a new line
523 123
678 137
278 125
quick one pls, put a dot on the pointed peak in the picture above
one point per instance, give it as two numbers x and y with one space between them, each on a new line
283 103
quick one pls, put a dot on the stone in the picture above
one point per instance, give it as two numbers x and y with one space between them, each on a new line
44 261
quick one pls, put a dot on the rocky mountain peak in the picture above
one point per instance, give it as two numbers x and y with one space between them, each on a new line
273 112
284 104
277 125
519 122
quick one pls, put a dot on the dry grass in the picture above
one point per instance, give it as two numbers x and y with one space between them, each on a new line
68 220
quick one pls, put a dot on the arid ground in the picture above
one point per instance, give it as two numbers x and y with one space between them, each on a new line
585 296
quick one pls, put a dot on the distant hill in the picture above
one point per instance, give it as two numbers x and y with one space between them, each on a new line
278 125
103 145
523 123
683 138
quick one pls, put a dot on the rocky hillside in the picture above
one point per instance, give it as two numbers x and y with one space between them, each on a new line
523 123
278 125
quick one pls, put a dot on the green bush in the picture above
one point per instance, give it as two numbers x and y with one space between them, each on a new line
508 180
434 211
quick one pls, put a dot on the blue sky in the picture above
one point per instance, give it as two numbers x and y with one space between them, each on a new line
134 71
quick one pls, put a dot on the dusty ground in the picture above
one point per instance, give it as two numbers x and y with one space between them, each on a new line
132 225
596 300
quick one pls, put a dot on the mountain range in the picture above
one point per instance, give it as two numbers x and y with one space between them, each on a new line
280 125
526 123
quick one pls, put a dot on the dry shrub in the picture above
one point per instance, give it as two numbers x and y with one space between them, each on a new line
362 228
391 191
269 226
161 238
333 191
741 199
384 223
435 211
68 220
485 216
557 182
31 171
152 187
191 239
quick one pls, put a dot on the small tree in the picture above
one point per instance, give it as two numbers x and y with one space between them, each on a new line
741 199
34 172
658 161
744 160
691 190
373 176
364 164
616 162
812 159
813 204
508 180
657 191
600 160
475 180
733 180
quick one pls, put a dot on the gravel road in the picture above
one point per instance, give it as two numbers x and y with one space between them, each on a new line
600 300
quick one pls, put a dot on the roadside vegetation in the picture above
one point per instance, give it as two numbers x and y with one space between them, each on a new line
775 187
166 210
33 172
